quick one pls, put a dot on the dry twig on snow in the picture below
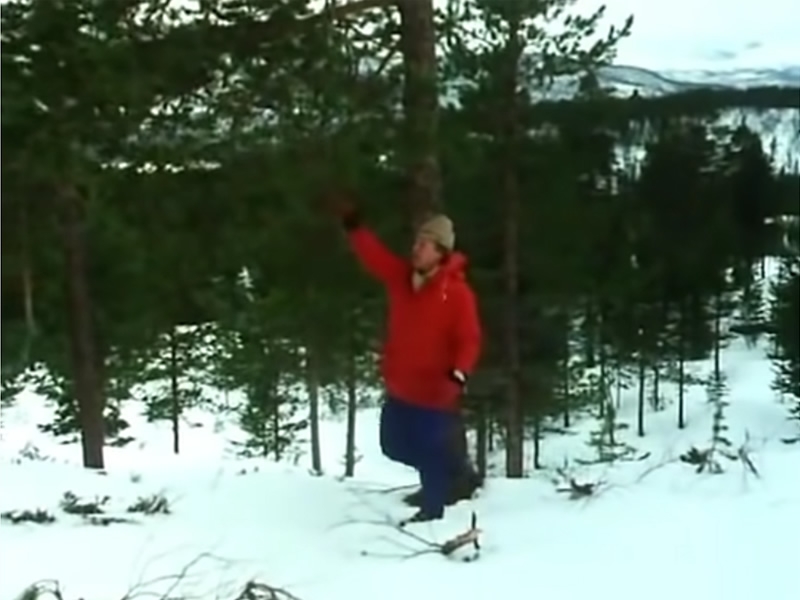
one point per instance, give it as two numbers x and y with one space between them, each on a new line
42 590
420 545
255 590
417 545
145 589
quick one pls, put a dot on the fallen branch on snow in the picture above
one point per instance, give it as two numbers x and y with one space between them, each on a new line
42 590
578 491
422 545
567 484
252 590
255 590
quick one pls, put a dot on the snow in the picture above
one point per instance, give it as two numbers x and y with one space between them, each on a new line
655 527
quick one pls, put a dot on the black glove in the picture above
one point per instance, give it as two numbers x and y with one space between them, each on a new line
342 203
458 377
351 219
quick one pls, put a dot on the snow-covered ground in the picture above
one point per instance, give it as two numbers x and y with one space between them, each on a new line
655 529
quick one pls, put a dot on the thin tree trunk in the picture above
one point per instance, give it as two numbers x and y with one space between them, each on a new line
515 416
352 408
603 392
681 369
276 431
511 195
175 391
312 383
537 439
642 386
611 416
27 271
567 391
482 440
590 332
717 334
656 400
681 391
265 447
88 384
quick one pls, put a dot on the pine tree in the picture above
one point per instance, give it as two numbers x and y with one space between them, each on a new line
786 325
519 61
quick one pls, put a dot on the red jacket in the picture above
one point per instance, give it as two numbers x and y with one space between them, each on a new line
430 331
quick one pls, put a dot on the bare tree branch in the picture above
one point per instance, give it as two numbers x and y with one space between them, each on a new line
252 590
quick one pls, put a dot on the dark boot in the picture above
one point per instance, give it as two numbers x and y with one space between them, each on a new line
464 486
414 499
419 517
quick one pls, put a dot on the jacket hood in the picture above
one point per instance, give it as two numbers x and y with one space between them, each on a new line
455 264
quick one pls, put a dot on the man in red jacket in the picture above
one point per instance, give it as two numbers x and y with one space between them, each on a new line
432 344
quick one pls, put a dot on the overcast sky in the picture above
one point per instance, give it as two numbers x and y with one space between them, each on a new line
707 34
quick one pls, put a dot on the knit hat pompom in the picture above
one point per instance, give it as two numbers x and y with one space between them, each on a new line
439 229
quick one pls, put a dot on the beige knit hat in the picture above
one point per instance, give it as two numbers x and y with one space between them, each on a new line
439 229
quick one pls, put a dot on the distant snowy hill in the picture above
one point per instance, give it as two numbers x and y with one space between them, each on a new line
651 82
779 128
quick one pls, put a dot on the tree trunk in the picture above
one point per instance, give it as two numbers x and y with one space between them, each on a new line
482 440
265 431
352 408
717 335
590 332
511 198
567 391
537 439
421 111
656 399
682 368
27 273
642 386
603 392
175 391
611 418
276 429
420 105
88 383
515 416
312 383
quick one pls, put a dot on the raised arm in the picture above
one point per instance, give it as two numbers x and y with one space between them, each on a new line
375 257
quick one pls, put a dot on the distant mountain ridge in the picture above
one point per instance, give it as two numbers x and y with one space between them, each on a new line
779 128
666 82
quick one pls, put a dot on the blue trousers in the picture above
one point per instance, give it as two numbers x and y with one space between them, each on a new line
422 438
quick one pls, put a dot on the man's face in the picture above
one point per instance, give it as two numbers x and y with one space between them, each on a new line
425 255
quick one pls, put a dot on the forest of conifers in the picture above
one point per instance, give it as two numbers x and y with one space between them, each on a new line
161 221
